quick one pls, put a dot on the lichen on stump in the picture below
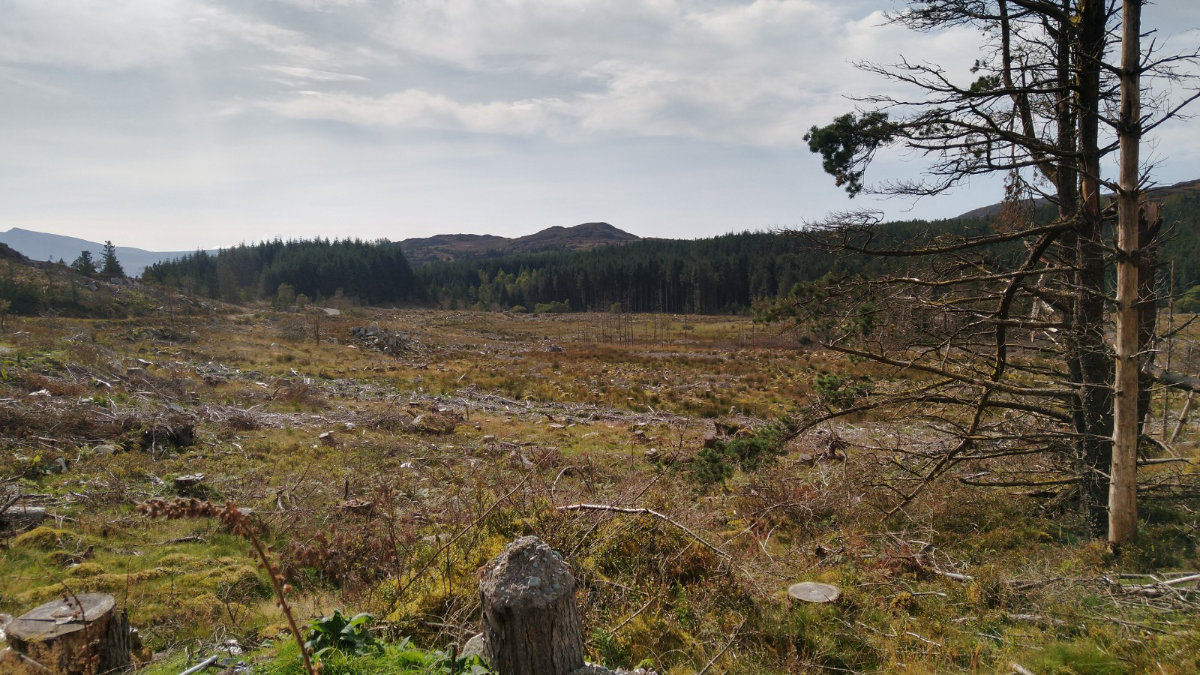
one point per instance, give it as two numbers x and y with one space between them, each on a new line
75 635
530 618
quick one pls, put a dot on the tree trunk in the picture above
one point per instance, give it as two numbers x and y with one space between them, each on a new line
530 619
1094 429
1149 224
1122 495
76 635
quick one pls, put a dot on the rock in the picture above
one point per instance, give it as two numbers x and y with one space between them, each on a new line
326 438
812 591
373 337
105 449
594 669
476 646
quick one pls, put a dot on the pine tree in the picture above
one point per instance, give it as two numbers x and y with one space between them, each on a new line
84 263
109 266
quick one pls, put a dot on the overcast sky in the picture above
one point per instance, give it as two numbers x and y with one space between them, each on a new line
178 124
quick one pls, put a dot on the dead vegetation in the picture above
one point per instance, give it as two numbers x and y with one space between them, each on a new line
382 482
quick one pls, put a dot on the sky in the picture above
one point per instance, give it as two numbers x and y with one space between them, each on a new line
184 124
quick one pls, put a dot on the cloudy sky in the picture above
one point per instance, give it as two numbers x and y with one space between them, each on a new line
176 124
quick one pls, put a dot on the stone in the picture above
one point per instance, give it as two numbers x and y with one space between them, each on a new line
476 646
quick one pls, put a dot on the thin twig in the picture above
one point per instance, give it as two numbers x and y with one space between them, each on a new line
647 512
429 563
724 649
632 616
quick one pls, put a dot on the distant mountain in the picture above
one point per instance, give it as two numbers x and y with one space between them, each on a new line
448 247
1190 187
43 246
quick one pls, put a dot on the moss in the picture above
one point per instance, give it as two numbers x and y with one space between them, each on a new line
59 558
1068 658
86 569
46 538
1159 547
183 561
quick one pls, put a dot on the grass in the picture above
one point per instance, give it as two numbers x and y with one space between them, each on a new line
510 429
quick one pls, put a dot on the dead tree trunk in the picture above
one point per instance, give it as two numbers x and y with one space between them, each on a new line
1122 499
75 635
530 619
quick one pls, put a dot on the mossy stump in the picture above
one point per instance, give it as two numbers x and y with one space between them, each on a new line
75 635
530 619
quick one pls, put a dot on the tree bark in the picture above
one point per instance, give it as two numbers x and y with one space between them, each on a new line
530 619
75 635
1122 495
1095 418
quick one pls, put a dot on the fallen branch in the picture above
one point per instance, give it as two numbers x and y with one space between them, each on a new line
646 512
633 616
1159 587
203 665
1177 380
433 558
732 639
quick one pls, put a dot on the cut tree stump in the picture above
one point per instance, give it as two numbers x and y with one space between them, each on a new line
17 518
811 591
530 619
76 635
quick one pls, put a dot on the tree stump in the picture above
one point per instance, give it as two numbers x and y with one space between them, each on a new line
18 518
530 618
77 635
811 591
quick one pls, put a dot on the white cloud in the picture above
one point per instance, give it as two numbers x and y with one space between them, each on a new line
300 74
130 34
758 73
451 114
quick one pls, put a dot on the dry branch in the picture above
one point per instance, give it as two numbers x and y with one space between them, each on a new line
647 512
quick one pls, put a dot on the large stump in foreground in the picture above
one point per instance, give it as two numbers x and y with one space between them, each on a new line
530 619
75 635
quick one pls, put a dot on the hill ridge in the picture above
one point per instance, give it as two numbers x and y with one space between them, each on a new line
449 247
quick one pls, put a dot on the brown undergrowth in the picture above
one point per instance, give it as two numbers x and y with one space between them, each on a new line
382 483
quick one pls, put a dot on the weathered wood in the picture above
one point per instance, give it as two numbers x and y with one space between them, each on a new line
811 591
20 517
530 618
13 662
76 635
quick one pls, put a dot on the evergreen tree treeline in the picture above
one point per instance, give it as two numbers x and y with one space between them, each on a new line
722 274
370 272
